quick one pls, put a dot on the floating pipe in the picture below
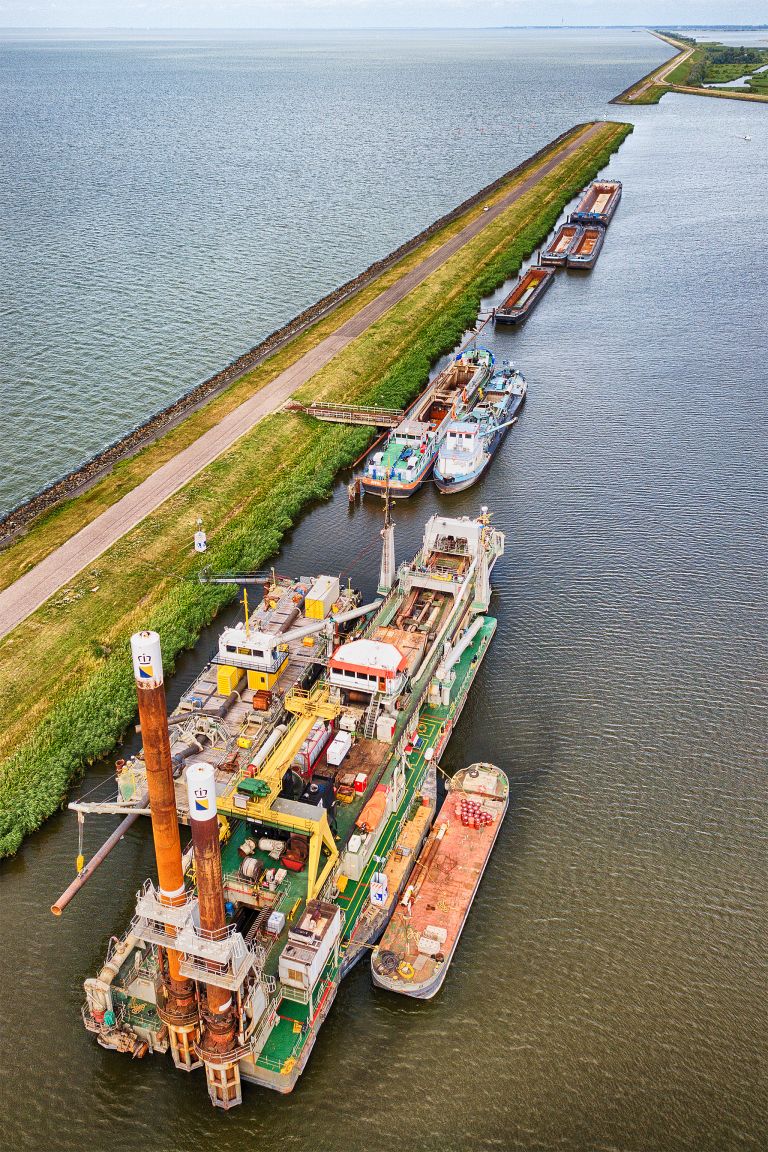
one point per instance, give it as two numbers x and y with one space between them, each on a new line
98 858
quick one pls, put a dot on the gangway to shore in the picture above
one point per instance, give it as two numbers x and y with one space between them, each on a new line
350 414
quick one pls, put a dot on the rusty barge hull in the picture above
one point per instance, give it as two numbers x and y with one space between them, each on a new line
557 251
586 250
598 204
524 297
421 938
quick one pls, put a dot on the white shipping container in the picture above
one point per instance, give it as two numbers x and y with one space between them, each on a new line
338 748
311 750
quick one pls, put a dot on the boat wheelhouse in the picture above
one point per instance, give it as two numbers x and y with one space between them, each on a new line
407 458
470 444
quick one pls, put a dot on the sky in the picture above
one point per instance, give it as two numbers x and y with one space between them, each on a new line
140 14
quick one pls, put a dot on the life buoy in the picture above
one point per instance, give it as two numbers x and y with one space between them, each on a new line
405 970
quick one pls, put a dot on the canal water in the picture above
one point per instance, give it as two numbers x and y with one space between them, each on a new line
609 991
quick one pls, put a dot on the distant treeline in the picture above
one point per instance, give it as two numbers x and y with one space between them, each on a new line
723 54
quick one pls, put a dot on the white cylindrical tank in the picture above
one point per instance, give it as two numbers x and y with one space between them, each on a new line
201 791
147 658
268 745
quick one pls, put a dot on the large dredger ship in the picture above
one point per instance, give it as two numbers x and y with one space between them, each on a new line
303 758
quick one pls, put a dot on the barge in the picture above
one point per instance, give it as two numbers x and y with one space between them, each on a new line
304 833
598 204
586 249
556 252
420 940
410 451
524 297
470 444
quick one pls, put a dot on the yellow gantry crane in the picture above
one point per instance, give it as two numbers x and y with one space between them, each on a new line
257 797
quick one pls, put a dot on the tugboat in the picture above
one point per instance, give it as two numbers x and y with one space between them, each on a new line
470 444
407 458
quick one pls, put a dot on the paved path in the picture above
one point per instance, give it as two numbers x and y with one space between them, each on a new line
61 566
660 75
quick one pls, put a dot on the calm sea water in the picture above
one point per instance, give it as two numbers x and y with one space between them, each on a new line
610 988
167 203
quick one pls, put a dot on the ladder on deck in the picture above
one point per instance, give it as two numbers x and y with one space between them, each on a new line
372 715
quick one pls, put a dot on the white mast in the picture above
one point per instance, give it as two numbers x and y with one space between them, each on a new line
482 578
387 570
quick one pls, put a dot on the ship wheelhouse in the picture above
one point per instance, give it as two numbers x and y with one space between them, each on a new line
368 666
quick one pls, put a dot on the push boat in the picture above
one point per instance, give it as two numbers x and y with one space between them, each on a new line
586 249
598 204
470 444
307 817
556 252
524 297
407 458
418 945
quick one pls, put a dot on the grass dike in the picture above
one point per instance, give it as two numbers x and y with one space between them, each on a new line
65 674
695 66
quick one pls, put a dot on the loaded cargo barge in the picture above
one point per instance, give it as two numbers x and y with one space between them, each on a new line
598 204
586 248
305 825
524 297
556 252
417 948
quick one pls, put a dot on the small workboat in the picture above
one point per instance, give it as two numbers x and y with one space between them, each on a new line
417 947
598 204
586 250
470 443
407 458
556 253
524 297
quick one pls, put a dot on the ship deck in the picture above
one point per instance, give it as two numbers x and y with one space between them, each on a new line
288 1038
445 881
